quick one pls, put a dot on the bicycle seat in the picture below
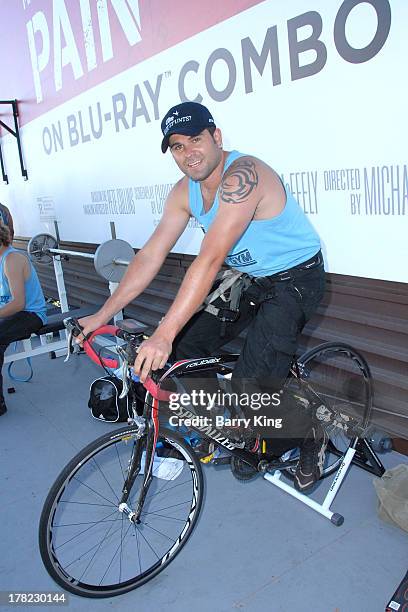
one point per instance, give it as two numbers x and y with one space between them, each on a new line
131 326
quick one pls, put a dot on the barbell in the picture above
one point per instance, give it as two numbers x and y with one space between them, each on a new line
110 258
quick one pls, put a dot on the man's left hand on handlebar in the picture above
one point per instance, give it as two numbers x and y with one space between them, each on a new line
152 355
89 324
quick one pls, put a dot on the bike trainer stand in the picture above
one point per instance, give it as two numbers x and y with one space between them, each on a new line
360 453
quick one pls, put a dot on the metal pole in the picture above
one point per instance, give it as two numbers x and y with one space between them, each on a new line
119 315
59 277
73 253
20 152
57 236
5 177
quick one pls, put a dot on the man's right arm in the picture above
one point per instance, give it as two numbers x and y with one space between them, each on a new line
148 261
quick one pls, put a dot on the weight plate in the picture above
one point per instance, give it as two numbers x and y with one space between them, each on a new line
38 248
107 253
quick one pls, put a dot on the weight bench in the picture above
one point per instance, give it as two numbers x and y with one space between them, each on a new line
48 343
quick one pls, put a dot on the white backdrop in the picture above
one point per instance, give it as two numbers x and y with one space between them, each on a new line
337 137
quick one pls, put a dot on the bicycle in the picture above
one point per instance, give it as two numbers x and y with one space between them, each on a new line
126 504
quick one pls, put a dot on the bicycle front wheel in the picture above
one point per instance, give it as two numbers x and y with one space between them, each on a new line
91 548
340 379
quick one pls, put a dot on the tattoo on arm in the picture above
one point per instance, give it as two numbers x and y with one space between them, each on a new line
239 182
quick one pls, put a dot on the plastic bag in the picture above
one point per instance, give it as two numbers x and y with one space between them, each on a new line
392 492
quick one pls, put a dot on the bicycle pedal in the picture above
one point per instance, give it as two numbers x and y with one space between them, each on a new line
207 459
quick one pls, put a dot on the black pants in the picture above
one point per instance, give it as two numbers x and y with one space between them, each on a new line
274 313
17 327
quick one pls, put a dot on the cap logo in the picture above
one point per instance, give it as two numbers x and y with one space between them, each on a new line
171 121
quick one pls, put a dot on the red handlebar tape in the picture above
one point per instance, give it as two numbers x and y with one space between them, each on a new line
112 330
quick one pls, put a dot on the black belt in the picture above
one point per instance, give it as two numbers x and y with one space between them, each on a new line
285 275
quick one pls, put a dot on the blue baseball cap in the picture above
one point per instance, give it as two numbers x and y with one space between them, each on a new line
187 118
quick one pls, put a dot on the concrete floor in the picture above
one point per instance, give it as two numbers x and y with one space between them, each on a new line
254 549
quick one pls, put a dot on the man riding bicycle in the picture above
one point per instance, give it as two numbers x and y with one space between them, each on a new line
253 225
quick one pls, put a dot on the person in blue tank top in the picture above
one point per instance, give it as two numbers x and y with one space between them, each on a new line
254 226
22 304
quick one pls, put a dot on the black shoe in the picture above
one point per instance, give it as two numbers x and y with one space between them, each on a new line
3 407
310 466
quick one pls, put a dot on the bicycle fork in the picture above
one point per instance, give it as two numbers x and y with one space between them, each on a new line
148 444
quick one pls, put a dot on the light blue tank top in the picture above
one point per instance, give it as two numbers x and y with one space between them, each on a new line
34 297
267 246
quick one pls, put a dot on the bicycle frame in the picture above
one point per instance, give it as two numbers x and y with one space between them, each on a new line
148 425
155 394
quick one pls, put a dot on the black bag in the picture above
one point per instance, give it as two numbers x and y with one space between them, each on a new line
105 403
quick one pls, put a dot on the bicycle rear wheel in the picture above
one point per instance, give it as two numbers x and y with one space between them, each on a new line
340 380
91 548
